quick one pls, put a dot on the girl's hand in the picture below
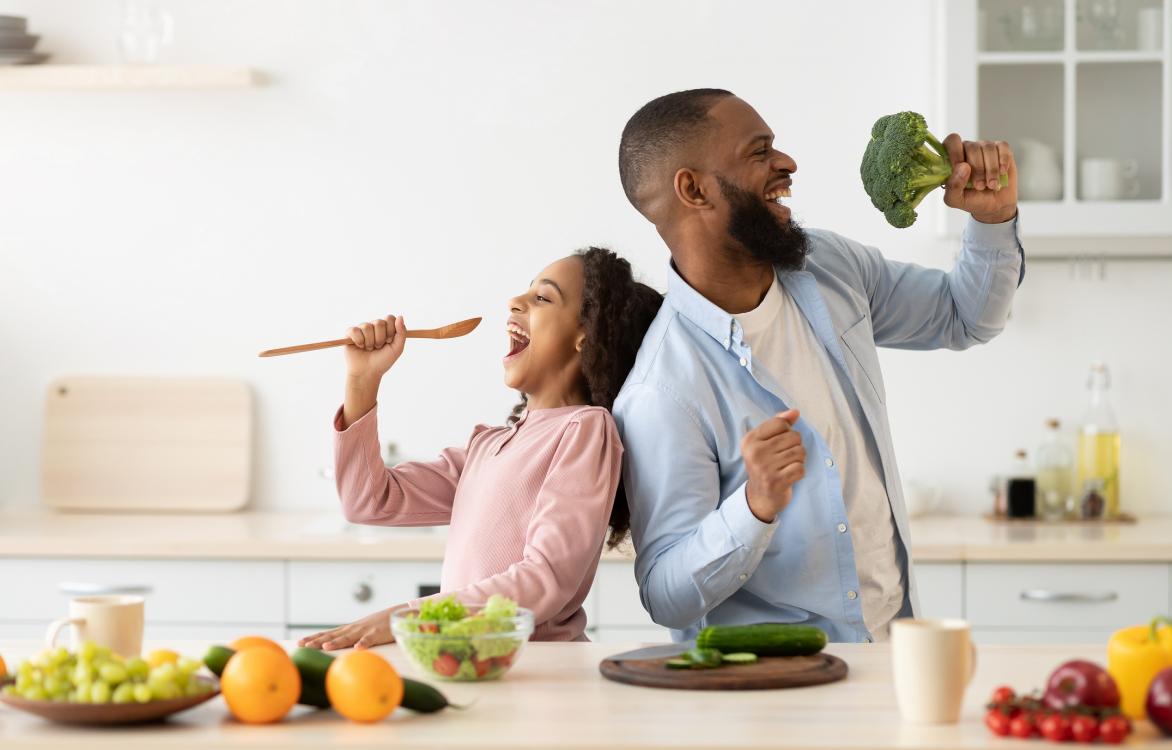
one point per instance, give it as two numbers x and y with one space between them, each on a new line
372 630
374 347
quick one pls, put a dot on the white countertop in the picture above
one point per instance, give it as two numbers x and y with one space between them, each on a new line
324 535
555 698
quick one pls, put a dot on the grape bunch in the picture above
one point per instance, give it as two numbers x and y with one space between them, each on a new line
96 675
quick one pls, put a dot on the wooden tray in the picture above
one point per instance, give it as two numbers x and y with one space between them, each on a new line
769 672
107 714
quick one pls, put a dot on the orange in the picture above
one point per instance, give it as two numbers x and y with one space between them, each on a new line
260 685
3 667
363 686
255 641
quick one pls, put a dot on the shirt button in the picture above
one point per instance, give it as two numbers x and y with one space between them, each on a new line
726 343
841 528
742 576
851 595
744 362
830 462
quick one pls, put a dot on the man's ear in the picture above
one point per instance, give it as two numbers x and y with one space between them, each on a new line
689 191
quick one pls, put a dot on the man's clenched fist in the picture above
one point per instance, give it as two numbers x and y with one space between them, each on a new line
775 460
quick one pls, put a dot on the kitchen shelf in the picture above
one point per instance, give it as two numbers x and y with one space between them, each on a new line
1039 58
125 77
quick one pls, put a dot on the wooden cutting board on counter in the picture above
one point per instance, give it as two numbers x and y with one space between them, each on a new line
147 444
646 667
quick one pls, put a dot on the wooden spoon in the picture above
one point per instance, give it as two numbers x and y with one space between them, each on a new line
443 332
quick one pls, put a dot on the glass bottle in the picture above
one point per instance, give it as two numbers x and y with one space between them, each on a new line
1021 489
1098 444
1055 467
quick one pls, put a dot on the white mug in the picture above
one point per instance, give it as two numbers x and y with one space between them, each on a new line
1101 179
932 662
115 622
1150 29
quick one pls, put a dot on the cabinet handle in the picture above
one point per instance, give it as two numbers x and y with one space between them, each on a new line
363 592
78 588
1075 597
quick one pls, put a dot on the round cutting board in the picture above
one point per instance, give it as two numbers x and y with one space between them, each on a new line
769 672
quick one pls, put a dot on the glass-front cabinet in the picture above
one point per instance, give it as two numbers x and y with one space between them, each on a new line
1082 91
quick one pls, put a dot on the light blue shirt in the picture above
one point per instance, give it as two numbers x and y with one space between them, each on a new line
702 557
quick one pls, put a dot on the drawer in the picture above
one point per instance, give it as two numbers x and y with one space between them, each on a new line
1079 596
941 589
333 593
180 591
617 596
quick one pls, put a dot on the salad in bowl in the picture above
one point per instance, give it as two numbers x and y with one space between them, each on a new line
449 641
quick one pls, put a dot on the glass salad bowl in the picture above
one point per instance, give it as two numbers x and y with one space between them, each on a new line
449 641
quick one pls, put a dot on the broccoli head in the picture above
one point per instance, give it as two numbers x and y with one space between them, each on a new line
902 164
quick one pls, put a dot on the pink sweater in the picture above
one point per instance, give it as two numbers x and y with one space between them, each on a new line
528 506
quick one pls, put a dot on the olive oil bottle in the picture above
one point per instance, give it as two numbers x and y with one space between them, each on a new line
1098 449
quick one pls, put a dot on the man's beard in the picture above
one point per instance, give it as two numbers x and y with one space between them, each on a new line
754 227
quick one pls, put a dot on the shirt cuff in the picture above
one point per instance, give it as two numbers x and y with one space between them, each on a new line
1003 236
748 530
363 420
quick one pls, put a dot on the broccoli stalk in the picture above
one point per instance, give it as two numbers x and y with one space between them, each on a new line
903 163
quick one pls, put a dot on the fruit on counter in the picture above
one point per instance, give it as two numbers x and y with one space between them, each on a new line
1159 701
96 675
1023 725
998 720
255 641
1134 656
161 656
217 658
260 685
1084 728
764 639
363 686
312 664
1080 683
1055 727
1114 729
3 668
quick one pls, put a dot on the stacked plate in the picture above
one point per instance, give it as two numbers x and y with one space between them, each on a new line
16 44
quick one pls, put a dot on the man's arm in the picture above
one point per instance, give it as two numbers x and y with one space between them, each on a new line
692 550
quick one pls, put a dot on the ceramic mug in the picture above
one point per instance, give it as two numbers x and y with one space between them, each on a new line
1102 179
114 621
932 662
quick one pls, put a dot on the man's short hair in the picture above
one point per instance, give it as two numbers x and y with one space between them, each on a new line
657 134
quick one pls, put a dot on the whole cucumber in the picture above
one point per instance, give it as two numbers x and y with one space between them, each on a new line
763 639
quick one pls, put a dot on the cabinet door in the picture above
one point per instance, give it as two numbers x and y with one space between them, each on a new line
176 591
941 589
1101 597
332 593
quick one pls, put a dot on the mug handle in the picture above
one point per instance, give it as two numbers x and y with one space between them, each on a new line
55 629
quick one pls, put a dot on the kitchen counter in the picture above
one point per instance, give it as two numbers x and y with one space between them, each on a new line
324 535
555 698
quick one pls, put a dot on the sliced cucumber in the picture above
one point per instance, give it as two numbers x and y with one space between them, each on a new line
704 658
739 658
678 664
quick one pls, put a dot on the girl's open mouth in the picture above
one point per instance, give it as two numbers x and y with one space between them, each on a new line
518 340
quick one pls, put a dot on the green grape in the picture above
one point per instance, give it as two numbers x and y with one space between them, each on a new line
194 688
188 666
58 655
124 693
142 693
54 685
11 690
113 672
88 651
25 668
36 693
137 668
23 681
165 691
83 674
79 695
100 692
101 652
165 672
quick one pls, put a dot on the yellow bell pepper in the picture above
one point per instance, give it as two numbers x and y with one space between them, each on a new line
1134 656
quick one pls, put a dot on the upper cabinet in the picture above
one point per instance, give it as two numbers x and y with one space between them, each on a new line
1082 91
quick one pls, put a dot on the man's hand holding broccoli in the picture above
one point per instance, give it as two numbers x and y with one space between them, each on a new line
904 162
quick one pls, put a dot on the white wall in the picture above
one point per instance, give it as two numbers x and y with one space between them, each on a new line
427 158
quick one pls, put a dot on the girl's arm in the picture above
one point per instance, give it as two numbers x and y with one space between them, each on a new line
565 534
416 493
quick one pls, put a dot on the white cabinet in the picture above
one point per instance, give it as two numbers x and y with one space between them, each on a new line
941 589
620 613
1081 90
325 594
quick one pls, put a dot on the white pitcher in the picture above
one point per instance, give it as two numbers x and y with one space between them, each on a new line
1039 173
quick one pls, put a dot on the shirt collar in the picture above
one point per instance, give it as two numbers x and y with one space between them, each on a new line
697 308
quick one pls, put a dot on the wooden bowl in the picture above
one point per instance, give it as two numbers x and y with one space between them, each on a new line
98 714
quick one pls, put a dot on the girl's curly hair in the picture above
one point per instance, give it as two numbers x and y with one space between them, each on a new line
616 312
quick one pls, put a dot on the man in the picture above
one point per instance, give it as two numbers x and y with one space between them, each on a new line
760 470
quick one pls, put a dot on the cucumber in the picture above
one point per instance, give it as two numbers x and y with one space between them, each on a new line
764 639
678 664
216 658
739 658
312 665
703 658
423 698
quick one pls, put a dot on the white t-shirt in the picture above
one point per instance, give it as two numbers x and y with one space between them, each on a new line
784 344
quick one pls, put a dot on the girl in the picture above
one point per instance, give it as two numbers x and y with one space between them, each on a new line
528 503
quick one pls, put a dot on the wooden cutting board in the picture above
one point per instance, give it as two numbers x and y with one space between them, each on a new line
147 444
633 668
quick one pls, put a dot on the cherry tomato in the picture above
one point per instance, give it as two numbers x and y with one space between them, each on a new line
1022 725
1055 727
1003 694
997 721
1084 728
1114 729
446 665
